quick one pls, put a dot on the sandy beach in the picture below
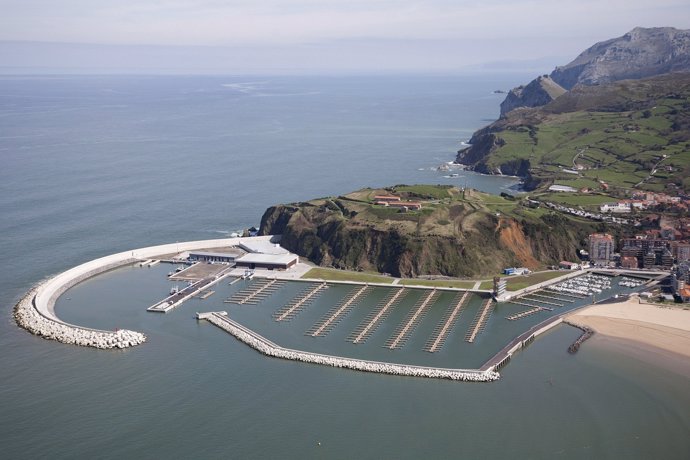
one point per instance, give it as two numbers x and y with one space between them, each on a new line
665 328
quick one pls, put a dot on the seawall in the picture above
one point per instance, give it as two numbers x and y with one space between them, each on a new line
35 312
269 348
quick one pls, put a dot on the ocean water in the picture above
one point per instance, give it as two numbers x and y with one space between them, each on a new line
99 164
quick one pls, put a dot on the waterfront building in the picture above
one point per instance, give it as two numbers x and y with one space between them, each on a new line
600 248
629 262
658 258
681 251
641 246
220 257
267 261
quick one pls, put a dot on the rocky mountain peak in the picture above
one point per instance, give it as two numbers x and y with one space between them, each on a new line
642 52
538 92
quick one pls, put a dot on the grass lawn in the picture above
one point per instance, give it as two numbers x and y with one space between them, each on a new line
438 283
487 285
343 275
575 199
515 283
432 192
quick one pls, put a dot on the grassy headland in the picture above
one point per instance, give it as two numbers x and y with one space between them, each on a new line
628 134
460 234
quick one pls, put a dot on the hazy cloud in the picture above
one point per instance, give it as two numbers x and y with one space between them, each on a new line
477 31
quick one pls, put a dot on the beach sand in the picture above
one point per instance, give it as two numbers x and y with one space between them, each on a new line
665 328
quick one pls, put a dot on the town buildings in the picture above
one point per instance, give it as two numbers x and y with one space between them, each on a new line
600 248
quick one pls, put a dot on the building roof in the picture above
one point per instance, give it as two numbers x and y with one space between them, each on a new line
562 188
262 247
405 203
602 236
272 259
213 254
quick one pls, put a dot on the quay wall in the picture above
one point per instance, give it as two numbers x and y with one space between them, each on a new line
35 312
521 341
269 348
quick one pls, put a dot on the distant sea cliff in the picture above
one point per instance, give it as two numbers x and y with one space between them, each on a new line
593 82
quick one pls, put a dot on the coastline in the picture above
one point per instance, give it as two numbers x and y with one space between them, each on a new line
645 330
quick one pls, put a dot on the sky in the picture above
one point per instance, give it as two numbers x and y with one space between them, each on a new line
315 36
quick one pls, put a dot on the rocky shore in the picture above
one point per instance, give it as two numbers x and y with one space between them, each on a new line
30 319
270 349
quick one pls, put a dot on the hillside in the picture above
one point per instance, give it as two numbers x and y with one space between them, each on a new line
540 91
455 233
628 134
641 53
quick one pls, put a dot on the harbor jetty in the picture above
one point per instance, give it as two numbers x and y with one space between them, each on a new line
29 318
586 334
35 312
266 347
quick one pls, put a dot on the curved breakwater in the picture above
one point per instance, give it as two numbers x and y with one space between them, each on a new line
35 312
28 317
269 348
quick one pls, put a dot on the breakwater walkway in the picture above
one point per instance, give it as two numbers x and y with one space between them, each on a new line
266 347
35 312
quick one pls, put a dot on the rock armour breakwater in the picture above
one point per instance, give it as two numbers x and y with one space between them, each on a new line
30 319
269 348
35 311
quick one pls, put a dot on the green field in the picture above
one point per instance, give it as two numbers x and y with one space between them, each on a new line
343 275
438 283
616 133
428 192
576 199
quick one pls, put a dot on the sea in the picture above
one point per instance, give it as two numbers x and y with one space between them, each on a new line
93 165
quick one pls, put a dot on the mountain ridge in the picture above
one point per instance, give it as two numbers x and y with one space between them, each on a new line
640 53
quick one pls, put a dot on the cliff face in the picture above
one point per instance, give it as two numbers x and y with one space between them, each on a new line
481 244
638 54
538 92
